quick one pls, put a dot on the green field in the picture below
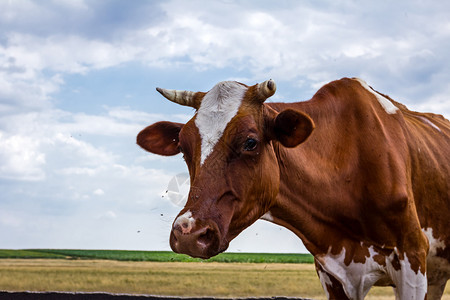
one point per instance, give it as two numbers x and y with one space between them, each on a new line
155 256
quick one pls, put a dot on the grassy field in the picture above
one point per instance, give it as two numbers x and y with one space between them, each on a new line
175 279
6 253
156 278
157 256
68 271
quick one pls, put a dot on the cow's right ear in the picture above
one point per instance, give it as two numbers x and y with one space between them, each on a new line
161 138
291 127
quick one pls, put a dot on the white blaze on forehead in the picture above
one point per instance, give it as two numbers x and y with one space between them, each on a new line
388 106
217 109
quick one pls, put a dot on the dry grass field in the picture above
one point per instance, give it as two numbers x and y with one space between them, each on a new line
176 279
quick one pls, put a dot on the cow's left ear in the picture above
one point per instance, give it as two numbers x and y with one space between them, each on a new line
161 138
291 127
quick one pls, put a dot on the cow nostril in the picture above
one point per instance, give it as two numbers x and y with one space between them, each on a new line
182 228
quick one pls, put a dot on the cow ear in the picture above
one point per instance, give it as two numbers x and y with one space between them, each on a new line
160 138
291 127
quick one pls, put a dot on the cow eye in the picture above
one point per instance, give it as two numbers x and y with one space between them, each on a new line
250 144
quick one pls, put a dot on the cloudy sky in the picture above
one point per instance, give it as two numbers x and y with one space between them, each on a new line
78 78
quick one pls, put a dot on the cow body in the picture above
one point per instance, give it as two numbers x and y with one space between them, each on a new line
370 181
367 190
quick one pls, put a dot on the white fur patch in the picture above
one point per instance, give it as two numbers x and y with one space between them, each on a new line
388 106
434 243
217 109
437 267
409 285
358 278
185 221
325 280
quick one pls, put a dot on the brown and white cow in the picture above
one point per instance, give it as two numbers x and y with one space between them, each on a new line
363 181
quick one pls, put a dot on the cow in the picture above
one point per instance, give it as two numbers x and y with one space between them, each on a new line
359 178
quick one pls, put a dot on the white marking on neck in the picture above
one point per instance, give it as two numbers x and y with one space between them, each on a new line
388 106
426 121
217 109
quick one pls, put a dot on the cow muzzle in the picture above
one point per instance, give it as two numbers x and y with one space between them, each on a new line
195 238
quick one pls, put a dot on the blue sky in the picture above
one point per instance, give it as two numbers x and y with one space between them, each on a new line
78 79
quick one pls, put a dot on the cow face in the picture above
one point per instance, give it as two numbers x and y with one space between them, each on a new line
228 147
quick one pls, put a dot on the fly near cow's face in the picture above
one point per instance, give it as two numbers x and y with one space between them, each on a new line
228 148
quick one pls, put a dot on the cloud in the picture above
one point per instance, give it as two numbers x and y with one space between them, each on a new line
79 185
308 45
34 143
108 215
33 53
303 43
94 19
98 192
20 158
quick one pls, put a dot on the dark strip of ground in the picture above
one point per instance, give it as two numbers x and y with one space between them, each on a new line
106 296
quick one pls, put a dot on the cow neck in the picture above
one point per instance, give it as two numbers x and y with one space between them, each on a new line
304 197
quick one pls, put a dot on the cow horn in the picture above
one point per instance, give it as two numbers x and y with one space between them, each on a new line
267 88
181 97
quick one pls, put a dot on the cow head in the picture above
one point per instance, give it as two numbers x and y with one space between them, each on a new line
228 147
